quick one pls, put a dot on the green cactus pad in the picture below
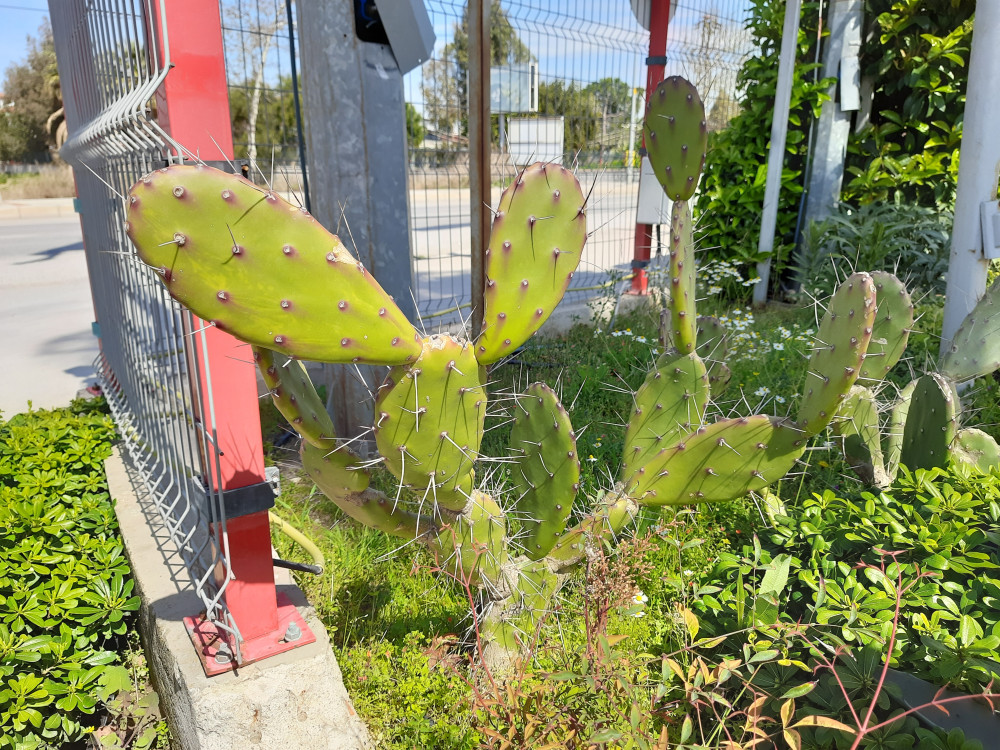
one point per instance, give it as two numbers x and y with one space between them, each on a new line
712 347
857 424
838 354
547 469
683 318
295 397
893 441
472 547
429 420
262 269
893 321
669 404
535 586
930 423
975 347
975 448
606 522
535 246
676 136
348 489
722 461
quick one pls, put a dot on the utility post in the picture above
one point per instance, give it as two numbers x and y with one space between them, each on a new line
356 156
479 152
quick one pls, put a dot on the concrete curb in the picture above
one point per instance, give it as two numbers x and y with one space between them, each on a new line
38 208
294 700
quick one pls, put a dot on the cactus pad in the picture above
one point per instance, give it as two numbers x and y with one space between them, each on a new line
429 420
669 404
975 448
262 269
610 516
712 347
838 353
535 246
348 489
722 461
676 136
857 424
683 318
295 397
893 321
547 470
472 547
893 441
975 347
930 423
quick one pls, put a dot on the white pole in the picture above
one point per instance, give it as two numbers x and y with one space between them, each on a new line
631 138
978 170
776 152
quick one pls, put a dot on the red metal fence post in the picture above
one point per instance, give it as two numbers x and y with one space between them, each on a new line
193 107
659 19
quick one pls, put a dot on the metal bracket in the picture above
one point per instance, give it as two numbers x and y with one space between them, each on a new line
656 60
243 501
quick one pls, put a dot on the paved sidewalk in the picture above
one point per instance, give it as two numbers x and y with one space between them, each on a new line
40 208
45 312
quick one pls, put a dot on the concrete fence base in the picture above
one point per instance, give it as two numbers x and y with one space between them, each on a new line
294 700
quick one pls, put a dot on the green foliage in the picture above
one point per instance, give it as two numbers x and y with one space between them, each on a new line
414 127
916 54
64 581
731 199
32 92
275 126
904 238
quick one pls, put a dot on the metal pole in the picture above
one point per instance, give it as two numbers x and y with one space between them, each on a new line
630 168
298 105
776 153
479 151
659 21
979 169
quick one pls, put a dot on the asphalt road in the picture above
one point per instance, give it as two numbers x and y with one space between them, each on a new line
45 313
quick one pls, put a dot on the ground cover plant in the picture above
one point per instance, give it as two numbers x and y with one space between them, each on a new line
66 597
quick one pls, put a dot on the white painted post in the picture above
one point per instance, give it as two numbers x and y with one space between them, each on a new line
978 171
776 153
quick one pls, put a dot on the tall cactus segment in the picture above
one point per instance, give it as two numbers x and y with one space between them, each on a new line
535 246
676 136
683 318
429 421
930 424
547 470
295 397
891 329
263 270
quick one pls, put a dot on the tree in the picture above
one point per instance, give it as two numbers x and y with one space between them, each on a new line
577 106
30 120
274 124
414 127
613 97
445 86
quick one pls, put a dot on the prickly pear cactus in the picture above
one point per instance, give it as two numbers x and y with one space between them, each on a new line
244 259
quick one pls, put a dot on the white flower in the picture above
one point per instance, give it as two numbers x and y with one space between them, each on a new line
778 347
641 339
762 391
779 399
640 613
639 598
591 458
689 572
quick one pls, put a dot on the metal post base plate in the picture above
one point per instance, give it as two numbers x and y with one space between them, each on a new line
207 640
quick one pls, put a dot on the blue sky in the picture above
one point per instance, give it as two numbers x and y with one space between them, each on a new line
18 19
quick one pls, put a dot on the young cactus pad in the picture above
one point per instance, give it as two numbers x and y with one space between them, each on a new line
535 246
265 271
676 136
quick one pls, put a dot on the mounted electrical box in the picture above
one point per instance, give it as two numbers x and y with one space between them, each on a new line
989 212
653 204
402 24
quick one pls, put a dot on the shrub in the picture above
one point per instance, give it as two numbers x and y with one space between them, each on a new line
65 589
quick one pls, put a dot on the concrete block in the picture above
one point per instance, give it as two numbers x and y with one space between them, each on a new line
294 700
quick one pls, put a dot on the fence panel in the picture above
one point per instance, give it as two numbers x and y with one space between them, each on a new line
112 59
589 59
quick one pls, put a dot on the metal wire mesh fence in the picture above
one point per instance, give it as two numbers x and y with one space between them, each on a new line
112 59
586 63
259 71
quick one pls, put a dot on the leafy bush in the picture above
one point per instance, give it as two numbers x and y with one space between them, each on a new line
827 579
731 196
65 588
916 56
903 238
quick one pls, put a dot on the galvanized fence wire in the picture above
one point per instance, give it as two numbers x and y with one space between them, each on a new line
111 63
591 71
259 65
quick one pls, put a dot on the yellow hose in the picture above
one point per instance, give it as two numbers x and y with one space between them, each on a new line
299 538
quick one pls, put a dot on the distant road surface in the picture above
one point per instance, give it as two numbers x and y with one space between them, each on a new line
45 313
